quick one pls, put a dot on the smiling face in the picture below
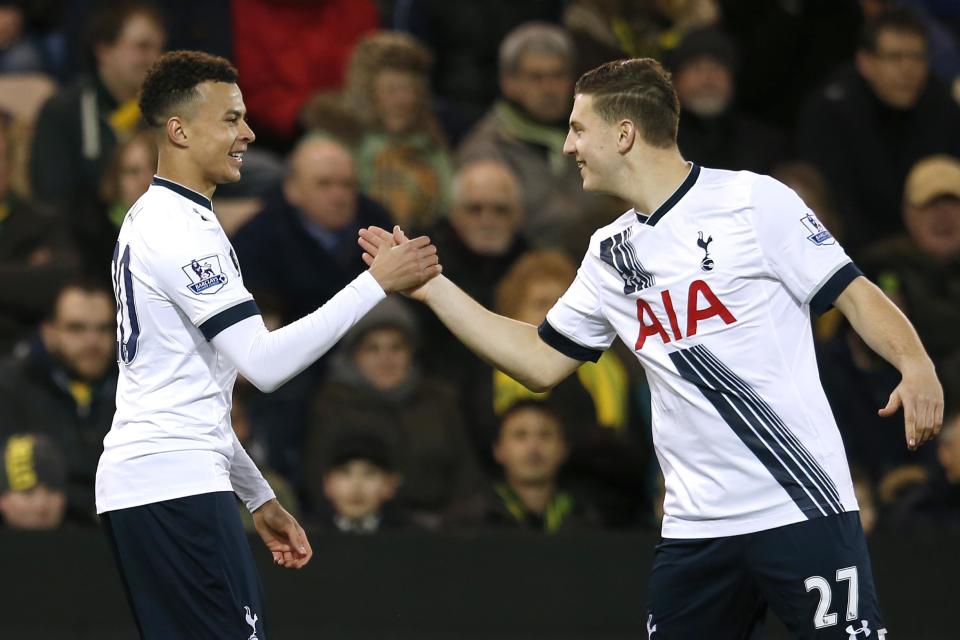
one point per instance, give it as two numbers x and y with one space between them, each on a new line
592 141
216 132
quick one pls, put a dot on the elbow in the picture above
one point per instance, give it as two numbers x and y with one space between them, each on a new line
539 382
263 384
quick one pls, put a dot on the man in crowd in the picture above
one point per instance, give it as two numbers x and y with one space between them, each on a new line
64 387
867 128
525 129
78 127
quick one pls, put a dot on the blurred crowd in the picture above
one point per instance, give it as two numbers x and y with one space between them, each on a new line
449 118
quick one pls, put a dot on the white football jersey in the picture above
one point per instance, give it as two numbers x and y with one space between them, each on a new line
713 292
177 284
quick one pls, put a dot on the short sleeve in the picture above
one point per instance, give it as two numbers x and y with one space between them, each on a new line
576 325
801 253
201 275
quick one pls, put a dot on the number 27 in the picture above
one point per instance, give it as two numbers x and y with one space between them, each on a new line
823 619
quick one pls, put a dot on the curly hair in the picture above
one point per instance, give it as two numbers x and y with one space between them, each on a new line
172 81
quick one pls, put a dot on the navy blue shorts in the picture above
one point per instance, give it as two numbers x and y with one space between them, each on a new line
188 569
814 575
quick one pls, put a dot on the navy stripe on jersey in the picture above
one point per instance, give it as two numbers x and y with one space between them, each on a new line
681 191
189 194
565 345
617 252
833 287
759 429
784 435
227 318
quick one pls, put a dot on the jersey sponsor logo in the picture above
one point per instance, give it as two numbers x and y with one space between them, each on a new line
698 291
818 233
707 263
618 252
252 621
205 274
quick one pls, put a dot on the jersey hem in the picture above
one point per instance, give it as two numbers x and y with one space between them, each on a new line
127 502
686 529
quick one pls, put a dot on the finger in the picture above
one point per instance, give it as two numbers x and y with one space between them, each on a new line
367 259
924 416
385 242
398 235
910 424
892 405
289 560
369 244
277 557
938 417
297 538
428 261
378 231
418 243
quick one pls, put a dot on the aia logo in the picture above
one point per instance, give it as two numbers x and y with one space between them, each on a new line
702 304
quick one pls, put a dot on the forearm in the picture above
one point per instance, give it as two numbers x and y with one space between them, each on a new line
247 481
882 326
509 345
268 359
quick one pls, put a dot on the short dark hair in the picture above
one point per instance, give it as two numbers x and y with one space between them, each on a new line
638 89
895 19
108 20
173 79
84 283
532 404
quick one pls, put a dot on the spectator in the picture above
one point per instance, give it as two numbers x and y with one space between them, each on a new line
287 50
872 123
375 387
65 387
36 255
32 479
526 128
608 459
923 265
359 483
477 243
531 448
127 177
302 246
386 115
79 127
936 502
464 36
605 30
713 132
17 53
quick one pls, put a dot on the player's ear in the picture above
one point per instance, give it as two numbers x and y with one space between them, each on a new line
176 133
627 136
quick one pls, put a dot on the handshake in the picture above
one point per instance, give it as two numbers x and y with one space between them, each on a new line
398 263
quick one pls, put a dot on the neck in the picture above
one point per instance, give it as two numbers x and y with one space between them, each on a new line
185 174
649 180
535 496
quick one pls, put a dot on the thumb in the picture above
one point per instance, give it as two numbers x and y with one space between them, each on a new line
892 405
399 236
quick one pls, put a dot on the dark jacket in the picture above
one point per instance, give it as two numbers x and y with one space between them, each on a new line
865 148
930 290
36 259
730 141
73 144
278 255
422 426
499 508
35 396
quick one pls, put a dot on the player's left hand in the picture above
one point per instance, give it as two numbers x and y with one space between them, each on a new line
283 535
921 396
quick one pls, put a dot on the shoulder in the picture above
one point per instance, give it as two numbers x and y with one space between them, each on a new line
624 221
63 103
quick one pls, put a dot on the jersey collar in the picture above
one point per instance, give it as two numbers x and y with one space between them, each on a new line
179 189
670 202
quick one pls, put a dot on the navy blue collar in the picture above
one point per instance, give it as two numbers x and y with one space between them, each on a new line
681 191
179 189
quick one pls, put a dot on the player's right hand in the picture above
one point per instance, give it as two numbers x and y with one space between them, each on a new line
398 263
